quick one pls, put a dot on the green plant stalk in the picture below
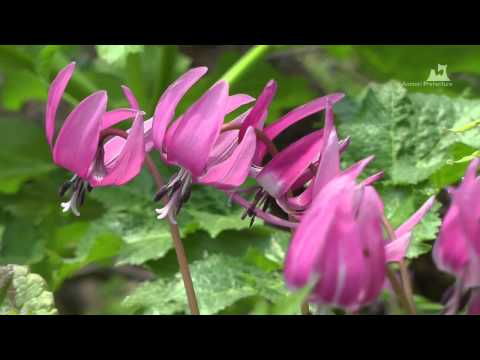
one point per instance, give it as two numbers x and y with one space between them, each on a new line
163 78
238 69
404 289
174 230
135 78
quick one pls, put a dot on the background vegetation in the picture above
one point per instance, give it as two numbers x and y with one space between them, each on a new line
118 259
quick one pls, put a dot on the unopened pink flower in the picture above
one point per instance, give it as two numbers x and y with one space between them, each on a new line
457 249
77 146
339 246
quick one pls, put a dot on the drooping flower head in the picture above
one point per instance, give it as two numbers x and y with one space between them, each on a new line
79 146
339 245
193 141
294 166
457 249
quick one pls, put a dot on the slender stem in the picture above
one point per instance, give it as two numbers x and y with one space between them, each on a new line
405 279
253 55
397 288
174 231
304 309
407 286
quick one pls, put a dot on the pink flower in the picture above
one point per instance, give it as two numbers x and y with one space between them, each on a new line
339 219
457 250
396 250
193 141
339 246
78 146
314 159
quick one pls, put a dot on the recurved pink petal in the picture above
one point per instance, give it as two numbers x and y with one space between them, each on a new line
356 169
372 179
189 143
260 108
231 173
329 166
286 167
408 225
235 101
77 142
396 250
114 146
167 104
297 203
55 93
297 114
111 118
129 161
132 100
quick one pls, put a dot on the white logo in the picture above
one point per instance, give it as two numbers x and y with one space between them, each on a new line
436 78
441 75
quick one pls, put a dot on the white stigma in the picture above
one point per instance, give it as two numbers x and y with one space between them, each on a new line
169 209
71 205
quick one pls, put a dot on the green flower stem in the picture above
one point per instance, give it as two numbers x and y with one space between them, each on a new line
404 289
177 242
174 230
245 62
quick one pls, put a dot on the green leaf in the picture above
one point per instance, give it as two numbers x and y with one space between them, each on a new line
25 293
44 63
289 304
425 306
219 281
452 171
413 63
13 57
24 154
424 233
20 243
260 246
21 86
210 209
117 54
130 214
407 132
97 246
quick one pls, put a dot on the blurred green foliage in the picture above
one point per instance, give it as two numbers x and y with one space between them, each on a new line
235 269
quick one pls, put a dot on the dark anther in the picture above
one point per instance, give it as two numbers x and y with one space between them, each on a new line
267 203
81 196
250 212
252 220
89 187
64 188
179 206
185 193
174 187
161 193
